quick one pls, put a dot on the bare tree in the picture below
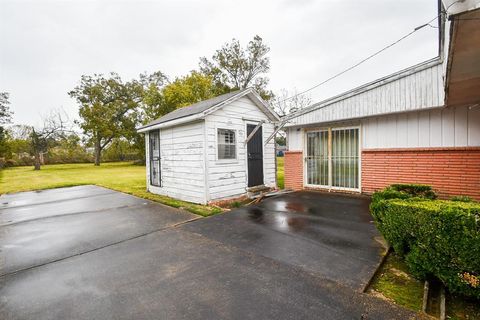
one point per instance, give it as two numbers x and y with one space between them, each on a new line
287 102
55 126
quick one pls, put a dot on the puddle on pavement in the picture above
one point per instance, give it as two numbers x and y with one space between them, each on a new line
278 220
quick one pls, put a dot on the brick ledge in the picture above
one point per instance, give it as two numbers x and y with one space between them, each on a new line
422 149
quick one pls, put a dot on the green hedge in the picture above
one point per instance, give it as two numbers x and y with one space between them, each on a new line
437 238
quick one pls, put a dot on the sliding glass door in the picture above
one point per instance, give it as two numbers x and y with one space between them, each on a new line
317 158
333 157
154 151
345 158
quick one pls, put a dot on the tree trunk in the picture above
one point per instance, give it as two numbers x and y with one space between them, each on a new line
36 149
36 162
98 152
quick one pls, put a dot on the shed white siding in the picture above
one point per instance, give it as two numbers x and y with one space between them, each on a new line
420 87
227 178
445 127
182 163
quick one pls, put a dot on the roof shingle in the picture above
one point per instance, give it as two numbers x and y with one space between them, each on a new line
193 109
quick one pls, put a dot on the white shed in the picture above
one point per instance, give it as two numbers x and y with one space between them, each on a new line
198 153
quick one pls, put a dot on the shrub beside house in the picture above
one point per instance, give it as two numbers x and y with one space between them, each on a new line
437 238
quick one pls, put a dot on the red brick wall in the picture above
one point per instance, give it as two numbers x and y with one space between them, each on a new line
293 170
451 171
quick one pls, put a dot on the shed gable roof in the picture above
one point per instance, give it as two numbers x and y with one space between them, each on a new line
206 106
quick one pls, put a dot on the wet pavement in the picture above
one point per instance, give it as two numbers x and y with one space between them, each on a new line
92 253
330 234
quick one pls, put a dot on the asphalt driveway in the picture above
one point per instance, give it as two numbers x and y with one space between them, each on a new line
92 253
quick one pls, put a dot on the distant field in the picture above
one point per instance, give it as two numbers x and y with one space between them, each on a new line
120 176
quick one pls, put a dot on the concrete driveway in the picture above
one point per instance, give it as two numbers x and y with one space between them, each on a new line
92 253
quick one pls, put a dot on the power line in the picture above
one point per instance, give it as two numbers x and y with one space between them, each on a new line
361 61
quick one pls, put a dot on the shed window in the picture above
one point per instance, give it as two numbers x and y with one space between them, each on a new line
154 137
226 144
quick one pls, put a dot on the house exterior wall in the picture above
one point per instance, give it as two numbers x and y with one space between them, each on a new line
228 178
445 127
182 163
441 127
439 147
293 162
419 87
451 171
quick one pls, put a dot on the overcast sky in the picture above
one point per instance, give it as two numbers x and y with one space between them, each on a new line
45 46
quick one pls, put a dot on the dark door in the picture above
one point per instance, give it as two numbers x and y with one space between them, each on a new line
255 157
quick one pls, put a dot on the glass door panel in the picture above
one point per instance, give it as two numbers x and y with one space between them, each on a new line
345 158
317 158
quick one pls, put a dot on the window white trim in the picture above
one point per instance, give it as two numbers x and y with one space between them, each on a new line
226 161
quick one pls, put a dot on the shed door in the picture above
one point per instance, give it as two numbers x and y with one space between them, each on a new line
255 157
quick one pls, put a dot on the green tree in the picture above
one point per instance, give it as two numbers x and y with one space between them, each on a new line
281 140
108 108
153 103
5 117
188 90
236 67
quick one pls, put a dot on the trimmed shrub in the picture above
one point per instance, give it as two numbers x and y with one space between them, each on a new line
437 238
461 198
416 190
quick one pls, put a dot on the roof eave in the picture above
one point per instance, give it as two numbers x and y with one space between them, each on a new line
171 123
250 92
267 109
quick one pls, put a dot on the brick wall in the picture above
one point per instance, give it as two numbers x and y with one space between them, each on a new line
293 170
451 171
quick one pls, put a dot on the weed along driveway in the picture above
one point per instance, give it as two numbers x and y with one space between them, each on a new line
92 253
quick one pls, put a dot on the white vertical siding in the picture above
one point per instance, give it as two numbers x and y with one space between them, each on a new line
228 178
420 87
294 139
446 127
182 163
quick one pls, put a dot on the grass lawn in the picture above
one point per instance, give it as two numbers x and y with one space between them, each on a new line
394 283
280 172
120 176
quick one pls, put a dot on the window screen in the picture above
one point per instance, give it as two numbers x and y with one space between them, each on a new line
226 144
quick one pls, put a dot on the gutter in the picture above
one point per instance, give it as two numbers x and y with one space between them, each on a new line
171 123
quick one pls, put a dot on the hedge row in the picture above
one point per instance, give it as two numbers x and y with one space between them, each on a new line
437 238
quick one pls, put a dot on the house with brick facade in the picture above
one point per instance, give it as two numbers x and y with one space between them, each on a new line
419 125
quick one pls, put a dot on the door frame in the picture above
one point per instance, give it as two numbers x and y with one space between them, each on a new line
305 169
245 148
